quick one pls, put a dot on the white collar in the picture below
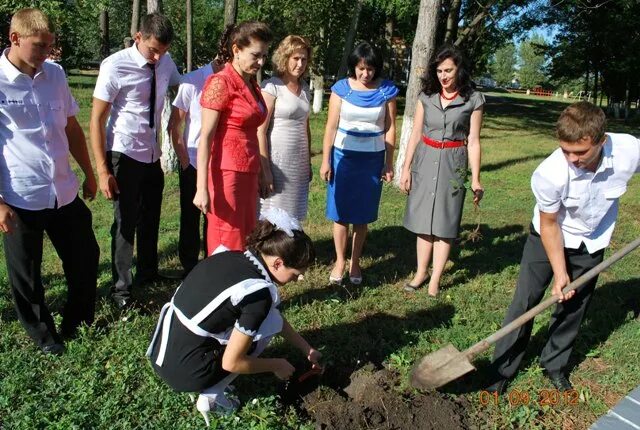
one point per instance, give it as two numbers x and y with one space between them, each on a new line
606 161
11 71
607 156
221 248
258 264
138 58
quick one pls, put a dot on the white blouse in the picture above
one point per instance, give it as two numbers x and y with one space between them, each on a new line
360 128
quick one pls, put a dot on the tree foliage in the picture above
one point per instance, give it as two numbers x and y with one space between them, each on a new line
597 41
487 25
482 28
503 65
77 29
532 60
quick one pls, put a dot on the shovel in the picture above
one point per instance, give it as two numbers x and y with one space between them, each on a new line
446 364
301 384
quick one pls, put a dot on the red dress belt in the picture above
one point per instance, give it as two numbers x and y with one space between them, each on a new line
442 144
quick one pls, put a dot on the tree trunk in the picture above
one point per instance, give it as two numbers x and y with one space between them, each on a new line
135 18
452 21
349 40
595 85
421 52
189 36
169 159
317 82
230 12
154 6
104 34
317 75
586 78
389 56
627 101
388 29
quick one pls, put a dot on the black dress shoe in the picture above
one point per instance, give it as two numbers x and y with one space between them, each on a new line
123 302
53 349
500 386
67 333
560 381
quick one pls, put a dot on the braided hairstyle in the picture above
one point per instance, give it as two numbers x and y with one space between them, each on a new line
296 252
241 36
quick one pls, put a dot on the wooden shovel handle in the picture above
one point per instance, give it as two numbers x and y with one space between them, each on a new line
484 344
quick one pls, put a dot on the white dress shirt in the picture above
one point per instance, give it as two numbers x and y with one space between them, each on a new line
188 100
125 82
34 165
586 202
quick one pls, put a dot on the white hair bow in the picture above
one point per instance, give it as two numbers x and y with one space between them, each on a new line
281 219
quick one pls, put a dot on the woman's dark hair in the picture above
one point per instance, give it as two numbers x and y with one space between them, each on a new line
431 84
241 35
296 252
367 53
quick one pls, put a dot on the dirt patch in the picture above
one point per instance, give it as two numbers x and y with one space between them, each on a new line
372 401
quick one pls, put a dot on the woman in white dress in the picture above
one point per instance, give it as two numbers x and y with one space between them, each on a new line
284 137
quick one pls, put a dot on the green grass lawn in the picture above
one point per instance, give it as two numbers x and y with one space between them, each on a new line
105 381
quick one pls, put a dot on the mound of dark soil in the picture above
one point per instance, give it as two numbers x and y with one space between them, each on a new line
372 401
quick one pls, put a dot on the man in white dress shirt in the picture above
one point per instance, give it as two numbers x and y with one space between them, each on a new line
38 189
187 112
577 189
129 92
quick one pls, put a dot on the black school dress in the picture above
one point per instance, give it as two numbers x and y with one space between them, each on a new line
225 291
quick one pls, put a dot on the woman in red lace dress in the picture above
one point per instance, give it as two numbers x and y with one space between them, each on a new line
228 154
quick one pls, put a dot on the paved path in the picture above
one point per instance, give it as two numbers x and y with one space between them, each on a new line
623 416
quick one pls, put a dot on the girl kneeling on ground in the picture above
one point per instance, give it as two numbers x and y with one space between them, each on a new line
225 312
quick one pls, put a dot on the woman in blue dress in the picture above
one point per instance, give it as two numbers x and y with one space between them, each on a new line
357 154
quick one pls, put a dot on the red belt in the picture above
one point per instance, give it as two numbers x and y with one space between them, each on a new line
442 144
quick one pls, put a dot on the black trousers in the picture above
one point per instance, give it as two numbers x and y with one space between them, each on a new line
70 232
136 215
535 276
189 244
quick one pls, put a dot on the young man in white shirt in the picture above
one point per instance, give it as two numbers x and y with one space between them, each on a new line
577 189
129 92
187 112
38 189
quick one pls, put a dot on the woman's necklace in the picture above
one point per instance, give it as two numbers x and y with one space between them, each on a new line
448 98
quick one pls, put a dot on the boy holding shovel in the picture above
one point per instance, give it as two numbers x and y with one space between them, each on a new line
577 189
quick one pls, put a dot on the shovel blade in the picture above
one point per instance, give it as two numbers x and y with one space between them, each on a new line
440 367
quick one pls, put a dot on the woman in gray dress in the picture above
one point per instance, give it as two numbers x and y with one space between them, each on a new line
446 133
284 137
